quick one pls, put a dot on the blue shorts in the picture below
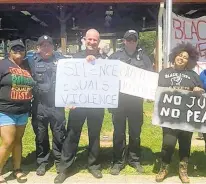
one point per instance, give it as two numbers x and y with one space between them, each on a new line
11 119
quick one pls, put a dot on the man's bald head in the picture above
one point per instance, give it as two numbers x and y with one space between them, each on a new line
92 32
92 39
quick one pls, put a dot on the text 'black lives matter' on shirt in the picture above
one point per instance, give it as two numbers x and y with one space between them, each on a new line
15 88
179 79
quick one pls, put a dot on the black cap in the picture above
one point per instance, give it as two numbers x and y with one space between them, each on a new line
43 39
131 33
15 43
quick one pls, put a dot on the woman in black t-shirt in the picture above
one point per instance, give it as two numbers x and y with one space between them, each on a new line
180 76
15 96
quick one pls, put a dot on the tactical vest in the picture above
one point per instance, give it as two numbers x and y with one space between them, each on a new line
135 60
44 73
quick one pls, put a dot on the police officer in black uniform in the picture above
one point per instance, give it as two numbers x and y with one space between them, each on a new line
77 118
43 67
130 108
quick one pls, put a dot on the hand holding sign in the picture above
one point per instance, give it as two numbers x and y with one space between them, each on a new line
70 107
198 89
91 59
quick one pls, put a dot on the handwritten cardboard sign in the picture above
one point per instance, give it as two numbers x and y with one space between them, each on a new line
81 84
138 82
180 109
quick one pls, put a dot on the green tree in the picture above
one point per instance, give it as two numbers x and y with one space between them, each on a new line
147 41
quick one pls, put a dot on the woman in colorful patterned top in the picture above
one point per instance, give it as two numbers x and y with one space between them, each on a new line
15 96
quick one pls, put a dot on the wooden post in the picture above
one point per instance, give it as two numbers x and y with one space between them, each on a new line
114 44
63 32
156 56
5 42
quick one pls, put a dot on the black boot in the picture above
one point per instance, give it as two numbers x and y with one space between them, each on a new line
95 172
116 168
60 178
137 166
41 170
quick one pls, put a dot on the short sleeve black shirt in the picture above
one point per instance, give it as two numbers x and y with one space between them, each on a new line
185 79
15 88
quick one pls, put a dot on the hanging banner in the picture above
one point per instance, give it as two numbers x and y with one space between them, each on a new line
193 31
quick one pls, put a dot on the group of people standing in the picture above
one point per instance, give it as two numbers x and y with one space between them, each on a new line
129 107
29 86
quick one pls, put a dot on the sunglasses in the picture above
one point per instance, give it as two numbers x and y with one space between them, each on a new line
131 40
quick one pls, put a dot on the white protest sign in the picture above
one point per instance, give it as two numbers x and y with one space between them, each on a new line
138 82
192 31
81 84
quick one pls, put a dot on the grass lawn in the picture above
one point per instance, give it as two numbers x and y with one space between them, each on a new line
151 145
